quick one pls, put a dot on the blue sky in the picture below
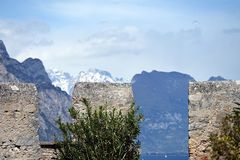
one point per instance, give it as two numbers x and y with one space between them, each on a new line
125 37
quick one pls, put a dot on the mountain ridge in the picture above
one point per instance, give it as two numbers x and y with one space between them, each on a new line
216 78
53 102
163 100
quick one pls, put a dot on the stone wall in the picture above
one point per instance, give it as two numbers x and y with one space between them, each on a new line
112 94
208 104
18 122
18 116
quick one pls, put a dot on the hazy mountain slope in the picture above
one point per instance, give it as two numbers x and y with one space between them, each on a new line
163 98
216 78
4 75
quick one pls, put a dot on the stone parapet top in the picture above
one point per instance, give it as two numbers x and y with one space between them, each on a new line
117 95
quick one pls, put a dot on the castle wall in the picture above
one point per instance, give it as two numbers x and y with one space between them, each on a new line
209 102
18 115
112 94
18 122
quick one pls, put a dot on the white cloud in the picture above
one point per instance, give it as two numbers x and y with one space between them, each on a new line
80 35
20 36
110 48
69 50
113 41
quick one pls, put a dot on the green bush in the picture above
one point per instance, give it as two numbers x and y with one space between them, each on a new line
226 143
98 134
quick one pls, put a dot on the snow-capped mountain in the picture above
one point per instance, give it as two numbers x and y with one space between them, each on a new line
96 75
61 79
66 81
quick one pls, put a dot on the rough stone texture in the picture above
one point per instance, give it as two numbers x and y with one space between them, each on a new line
48 151
208 104
18 122
111 94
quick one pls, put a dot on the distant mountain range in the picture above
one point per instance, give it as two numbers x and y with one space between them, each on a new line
66 81
162 97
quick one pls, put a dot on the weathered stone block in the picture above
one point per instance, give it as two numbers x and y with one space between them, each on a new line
48 151
111 94
209 102
18 122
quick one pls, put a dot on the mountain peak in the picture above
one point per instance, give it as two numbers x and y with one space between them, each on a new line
96 75
98 71
3 51
216 78
61 79
33 61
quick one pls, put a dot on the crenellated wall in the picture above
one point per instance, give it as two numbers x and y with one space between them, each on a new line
18 122
209 102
